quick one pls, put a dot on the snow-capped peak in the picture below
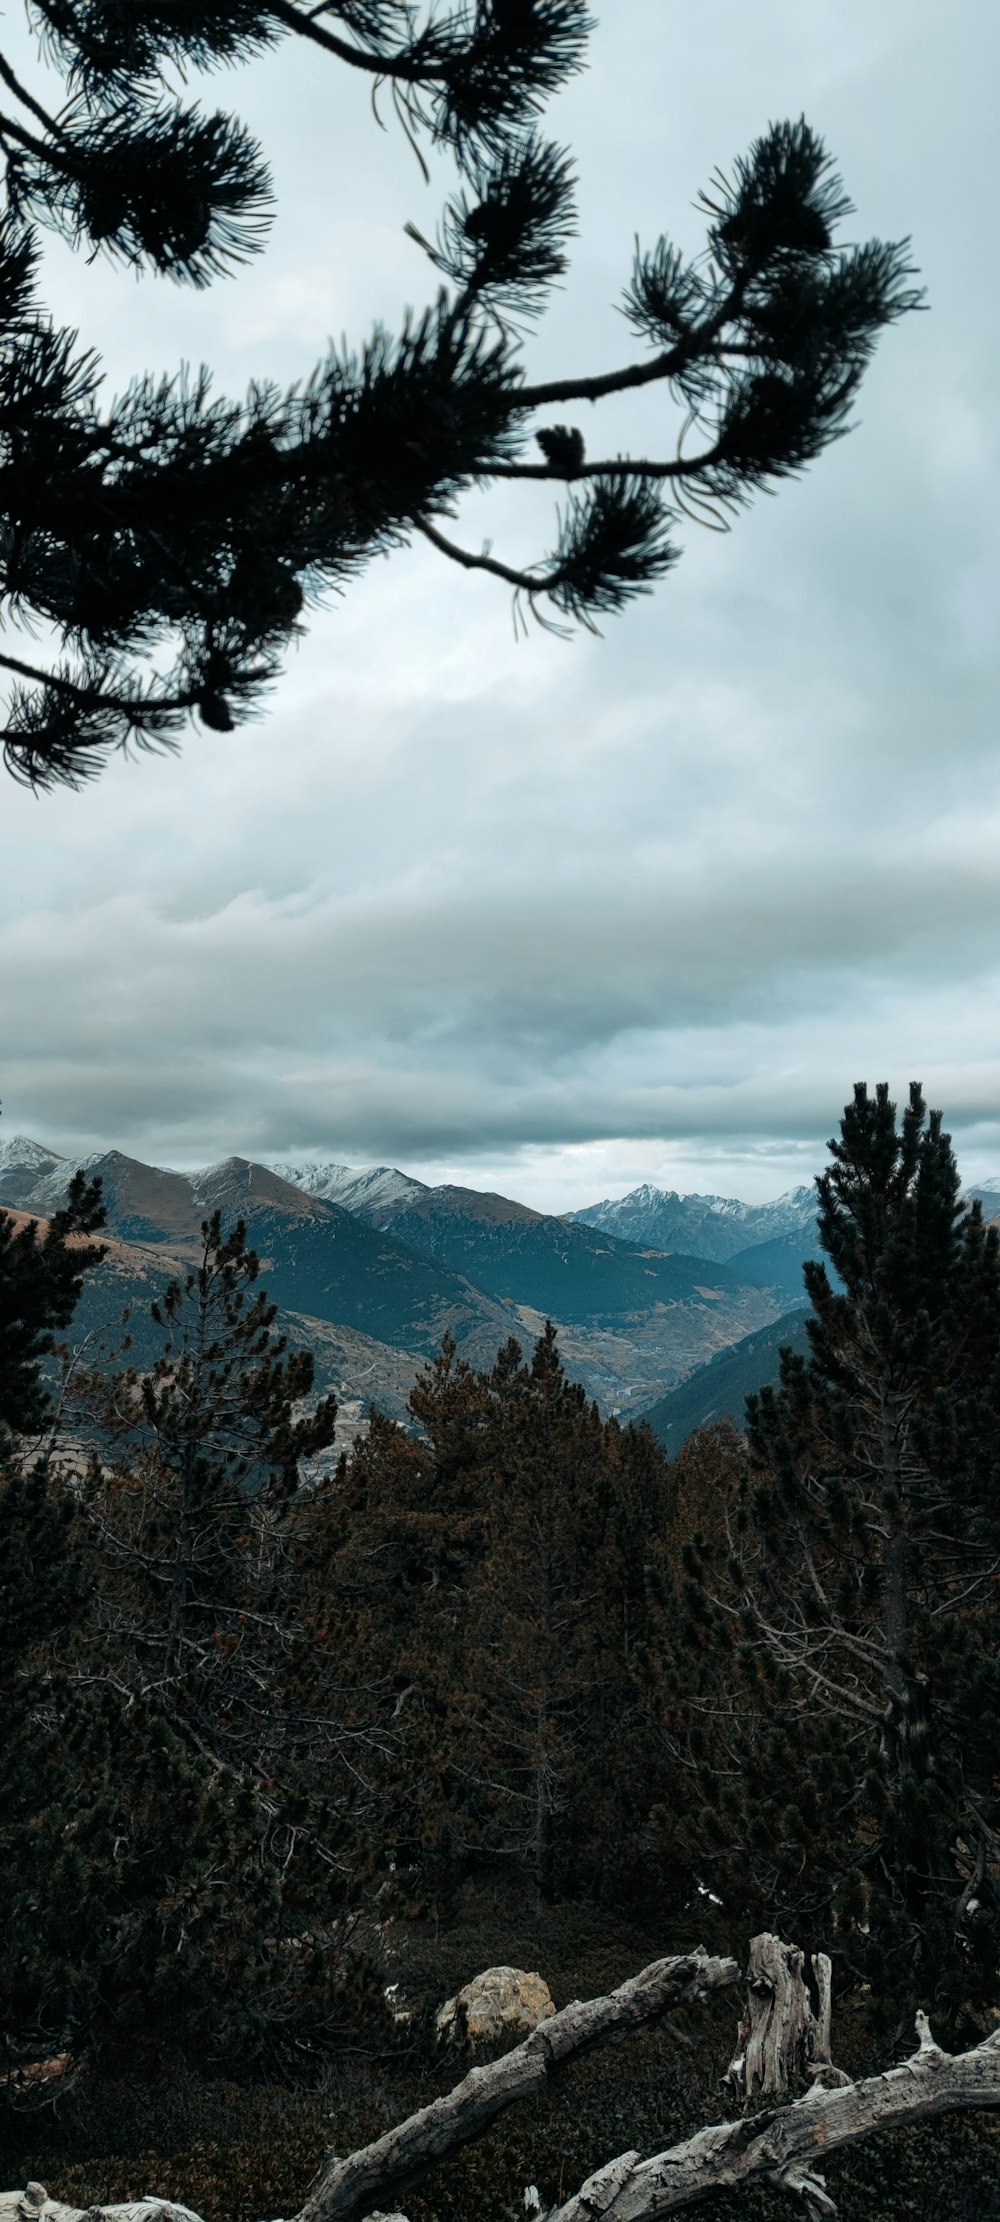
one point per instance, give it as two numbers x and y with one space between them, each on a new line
362 1189
32 1156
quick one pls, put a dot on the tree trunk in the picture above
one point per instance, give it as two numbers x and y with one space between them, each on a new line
783 2037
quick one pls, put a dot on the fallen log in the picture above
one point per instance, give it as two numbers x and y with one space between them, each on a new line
781 2147
347 2190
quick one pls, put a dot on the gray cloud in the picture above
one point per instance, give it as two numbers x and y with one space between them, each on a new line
571 913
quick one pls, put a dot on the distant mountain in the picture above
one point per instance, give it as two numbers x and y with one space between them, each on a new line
319 1259
700 1226
552 1265
367 1190
778 1264
719 1390
355 1367
371 1268
408 1264
22 1165
144 1203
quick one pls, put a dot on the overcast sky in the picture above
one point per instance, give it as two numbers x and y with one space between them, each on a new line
556 917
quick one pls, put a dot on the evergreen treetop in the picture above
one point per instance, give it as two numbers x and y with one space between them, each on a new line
41 1276
170 541
848 1620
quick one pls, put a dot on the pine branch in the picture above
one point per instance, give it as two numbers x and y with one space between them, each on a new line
203 528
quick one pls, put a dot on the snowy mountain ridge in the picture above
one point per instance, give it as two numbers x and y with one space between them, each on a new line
699 1225
714 1227
354 1188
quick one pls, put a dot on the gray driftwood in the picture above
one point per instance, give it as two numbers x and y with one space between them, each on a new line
784 2037
783 2146
347 2190
34 2205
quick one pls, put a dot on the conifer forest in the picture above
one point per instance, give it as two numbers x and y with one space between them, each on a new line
505 1807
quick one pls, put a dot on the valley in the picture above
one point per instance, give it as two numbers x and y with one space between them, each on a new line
371 1268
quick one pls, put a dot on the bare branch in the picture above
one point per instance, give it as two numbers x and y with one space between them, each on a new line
351 2188
778 2147
781 2146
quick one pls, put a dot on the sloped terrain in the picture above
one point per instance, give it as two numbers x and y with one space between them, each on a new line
373 1289
778 1264
318 1259
719 1390
365 1191
703 1226
565 1271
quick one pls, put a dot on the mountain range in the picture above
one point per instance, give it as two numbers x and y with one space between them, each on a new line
709 1226
370 1268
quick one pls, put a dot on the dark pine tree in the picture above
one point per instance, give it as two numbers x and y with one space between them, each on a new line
169 524
42 1268
533 1670
385 1558
484 1584
117 1937
147 1878
194 1466
844 1707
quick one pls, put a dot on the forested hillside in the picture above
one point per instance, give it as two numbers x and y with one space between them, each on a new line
292 1728
373 1273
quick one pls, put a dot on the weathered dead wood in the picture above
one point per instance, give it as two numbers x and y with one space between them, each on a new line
347 2190
374 2177
34 2205
783 2037
784 2146
781 2147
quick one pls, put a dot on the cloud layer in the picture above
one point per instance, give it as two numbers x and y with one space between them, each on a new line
563 915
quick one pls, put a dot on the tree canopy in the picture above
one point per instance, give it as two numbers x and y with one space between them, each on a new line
166 544
837 1677
41 1276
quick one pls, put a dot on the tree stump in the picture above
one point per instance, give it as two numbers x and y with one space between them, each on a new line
784 2036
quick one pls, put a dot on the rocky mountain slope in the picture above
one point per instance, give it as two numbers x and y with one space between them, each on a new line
703 1226
369 1191
570 1272
319 1259
374 1289
631 1320
370 1268
719 1389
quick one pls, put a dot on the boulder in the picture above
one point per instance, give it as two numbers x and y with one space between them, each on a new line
501 2000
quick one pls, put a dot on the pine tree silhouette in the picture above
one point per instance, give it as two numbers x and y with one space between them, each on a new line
848 1615
170 541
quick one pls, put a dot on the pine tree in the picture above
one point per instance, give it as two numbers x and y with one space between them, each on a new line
137 1893
385 1560
185 1707
145 1885
854 1730
41 1276
487 1580
193 1467
175 524
532 1673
